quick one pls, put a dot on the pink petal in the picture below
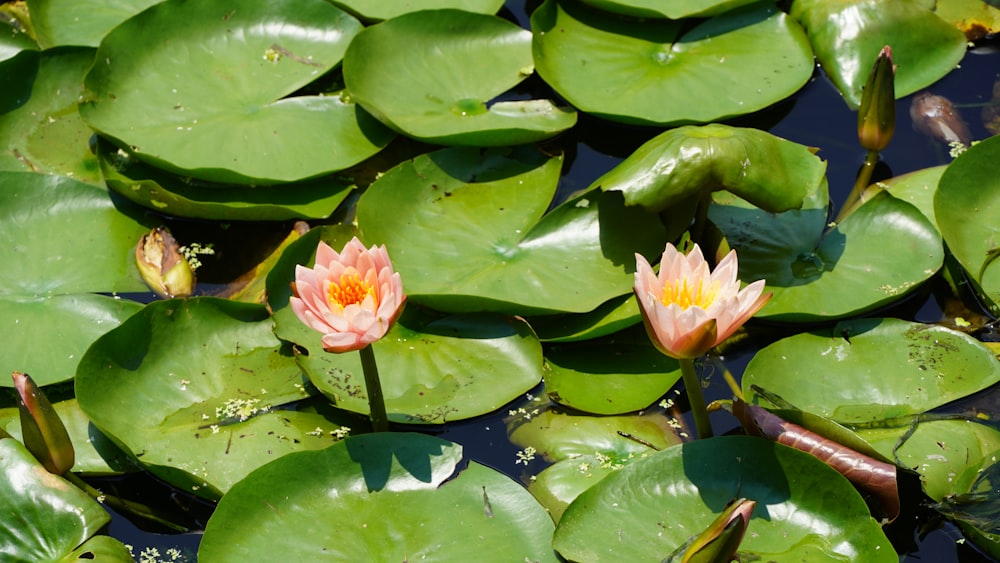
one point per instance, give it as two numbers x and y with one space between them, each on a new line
377 330
381 258
671 265
304 276
727 270
334 271
358 318
335 322
365 263
690 332
358 324
310 319
646 282
695 258
299 308
339 342
325 255
314 297
353 249
676 332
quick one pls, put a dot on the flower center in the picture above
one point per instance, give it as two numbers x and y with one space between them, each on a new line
685 295
351 290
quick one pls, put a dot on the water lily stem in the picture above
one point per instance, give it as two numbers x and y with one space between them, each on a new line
693 386
700 219
376 403
864 178
124 506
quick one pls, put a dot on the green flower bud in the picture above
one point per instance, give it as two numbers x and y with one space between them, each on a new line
162 266
42 431
720 540
877 112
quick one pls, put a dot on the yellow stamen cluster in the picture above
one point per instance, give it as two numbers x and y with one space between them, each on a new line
352 290
686 296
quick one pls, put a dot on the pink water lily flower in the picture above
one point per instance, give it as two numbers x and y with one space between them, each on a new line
688 309
352 297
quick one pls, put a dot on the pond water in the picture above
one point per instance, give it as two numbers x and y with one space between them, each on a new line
816 116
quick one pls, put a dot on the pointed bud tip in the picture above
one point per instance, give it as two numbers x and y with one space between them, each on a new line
744 508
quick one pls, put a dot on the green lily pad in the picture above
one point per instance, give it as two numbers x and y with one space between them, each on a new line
64 237
619 373
479 218
880 379
182 197
19 58
47 134
95 453
48 517
977 511
84 23
372 488
948 454
918 189
967 204
584 449
848 35
102 548
988 542
191 389
673 10
385 9
199 89
14 42
616 314
873 369
433 75
975 18
658 72
560 483
558 435
805 510
818 274
688 163
34 323
956 460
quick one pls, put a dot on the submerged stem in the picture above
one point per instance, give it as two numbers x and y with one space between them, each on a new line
730 380
693 387
376 403
124 506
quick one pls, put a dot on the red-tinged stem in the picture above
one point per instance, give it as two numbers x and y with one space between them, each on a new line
871 474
